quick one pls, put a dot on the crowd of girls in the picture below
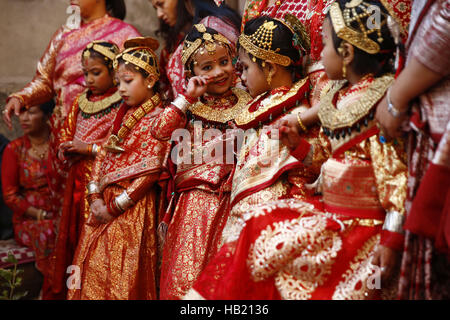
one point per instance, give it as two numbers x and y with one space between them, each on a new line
335 185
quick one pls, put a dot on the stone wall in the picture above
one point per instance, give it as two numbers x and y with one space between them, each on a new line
26 27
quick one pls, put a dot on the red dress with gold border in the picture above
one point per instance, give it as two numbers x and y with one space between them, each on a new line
202 193
322 248
118 260
88 128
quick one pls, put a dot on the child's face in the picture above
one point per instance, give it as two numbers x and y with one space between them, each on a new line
252 75
132 86
218 67
97 76
331 60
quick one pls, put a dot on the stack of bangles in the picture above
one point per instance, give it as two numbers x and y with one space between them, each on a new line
183 101
42 214
300 123
115 207
93 149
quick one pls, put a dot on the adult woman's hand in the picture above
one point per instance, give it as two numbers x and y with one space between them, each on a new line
390 126
13 106
387 259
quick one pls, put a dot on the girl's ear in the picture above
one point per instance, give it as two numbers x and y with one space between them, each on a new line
347 53
150 81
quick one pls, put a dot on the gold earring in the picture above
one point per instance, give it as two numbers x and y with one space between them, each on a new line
269 77
344 70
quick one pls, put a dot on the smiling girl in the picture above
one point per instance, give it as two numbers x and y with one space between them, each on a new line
202 188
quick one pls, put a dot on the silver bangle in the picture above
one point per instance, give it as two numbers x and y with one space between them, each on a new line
92 187
95 149
391 109
123 201
181 103
394 222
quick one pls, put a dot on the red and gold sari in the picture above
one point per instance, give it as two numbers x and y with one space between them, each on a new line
91 127
291 249
118 259
25 183
202 194
172 69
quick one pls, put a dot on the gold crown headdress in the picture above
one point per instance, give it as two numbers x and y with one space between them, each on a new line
140 52
98 46
341 21
260 42
208 41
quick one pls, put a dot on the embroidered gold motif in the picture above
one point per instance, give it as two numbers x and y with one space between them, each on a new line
92 107
246 116
333 118
354 285
299 252
223 116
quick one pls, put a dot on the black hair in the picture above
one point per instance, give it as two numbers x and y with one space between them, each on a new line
202 9
116 8
47 107
282 41
193 35
153 62
105 60
364 63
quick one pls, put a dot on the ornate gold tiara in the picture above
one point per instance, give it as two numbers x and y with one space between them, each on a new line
208 41
105 51
139 52
341 21
259 45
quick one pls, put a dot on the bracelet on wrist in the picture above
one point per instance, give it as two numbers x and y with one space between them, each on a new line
300 123
391 109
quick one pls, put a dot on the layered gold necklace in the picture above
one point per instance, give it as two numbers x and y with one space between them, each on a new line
133 119
93 107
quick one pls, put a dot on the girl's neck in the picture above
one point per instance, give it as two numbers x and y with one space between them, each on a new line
40 136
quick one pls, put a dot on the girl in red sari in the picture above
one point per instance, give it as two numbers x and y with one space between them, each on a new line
176 18
26 175
266 170
82 134
346 244
116 257
202 188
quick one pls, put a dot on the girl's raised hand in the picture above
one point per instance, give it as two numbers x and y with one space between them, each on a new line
197 86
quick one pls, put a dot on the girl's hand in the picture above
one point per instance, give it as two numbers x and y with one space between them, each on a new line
100 211
197 86
74 147
288 131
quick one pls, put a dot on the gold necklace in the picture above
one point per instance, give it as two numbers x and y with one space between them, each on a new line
36 152
93 107
209 113
133 119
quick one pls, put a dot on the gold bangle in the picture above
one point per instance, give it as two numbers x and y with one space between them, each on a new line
300 123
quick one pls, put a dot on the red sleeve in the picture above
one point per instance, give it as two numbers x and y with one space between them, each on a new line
302 150
10 182
393 240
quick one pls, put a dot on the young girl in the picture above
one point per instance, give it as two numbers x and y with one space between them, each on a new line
117 251
330 250
202 185
265 169
81 136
